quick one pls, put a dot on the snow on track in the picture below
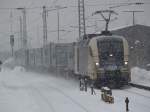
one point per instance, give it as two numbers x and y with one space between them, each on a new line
43 101
38 91
69 99
22 91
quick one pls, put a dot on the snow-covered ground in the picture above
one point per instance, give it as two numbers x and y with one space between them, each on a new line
22 91
140 76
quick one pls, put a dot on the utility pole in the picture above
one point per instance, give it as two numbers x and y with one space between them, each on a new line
58 26
81 14
24 35
44 14
12 44
44 17
11 22
11 36
38 34
21 38
133 15
24 28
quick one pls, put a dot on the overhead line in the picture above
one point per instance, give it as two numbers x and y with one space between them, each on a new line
39 7
15 8
144 3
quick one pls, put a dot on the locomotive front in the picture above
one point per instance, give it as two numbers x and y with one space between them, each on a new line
111 60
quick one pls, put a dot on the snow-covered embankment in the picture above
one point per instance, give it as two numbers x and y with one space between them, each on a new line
140 76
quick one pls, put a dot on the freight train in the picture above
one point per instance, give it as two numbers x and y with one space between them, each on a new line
101 59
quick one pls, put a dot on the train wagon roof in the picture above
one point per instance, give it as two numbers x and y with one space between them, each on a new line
104 37
109 37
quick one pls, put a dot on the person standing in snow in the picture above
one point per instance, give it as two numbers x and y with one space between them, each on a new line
92 89
127 102
85 82
0 65
81 85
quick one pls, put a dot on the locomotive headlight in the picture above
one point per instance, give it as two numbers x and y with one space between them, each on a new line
111 55
97 64
125 62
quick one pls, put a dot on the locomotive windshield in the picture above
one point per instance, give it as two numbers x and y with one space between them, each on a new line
110 52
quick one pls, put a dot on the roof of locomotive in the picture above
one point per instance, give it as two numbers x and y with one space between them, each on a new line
107 37
85 42
103 35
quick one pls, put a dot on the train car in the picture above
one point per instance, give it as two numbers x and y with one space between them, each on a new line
104 60
64 53
52 57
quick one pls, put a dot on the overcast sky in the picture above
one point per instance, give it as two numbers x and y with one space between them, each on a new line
68 18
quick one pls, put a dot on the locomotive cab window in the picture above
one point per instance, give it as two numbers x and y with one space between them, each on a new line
110 51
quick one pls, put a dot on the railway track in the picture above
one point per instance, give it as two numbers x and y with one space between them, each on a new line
140 86
48 100
139 94
68 97
38 94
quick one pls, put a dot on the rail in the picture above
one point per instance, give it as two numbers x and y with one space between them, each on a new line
140 86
